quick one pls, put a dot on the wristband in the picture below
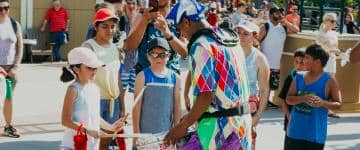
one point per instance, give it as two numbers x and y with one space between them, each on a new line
170 38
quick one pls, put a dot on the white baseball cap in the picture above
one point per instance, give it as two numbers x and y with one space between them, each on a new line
248 26
83 55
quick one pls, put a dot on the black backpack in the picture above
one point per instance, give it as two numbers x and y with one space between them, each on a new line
14 25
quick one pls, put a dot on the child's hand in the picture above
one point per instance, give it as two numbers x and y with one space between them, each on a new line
2 71
309 99
119 124
317 102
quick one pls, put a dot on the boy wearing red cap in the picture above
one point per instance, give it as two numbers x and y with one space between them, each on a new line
107 78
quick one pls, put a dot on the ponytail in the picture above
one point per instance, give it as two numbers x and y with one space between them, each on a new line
68 74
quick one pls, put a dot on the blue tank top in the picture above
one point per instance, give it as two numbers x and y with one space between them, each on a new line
252 72
157 104
308 123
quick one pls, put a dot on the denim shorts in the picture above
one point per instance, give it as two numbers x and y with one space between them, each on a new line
105 110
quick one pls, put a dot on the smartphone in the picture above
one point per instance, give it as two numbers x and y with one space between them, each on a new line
154 4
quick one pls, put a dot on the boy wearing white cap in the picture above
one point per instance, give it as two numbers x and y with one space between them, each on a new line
81 109
258 71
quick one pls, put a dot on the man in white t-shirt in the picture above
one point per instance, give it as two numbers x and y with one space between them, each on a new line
272 36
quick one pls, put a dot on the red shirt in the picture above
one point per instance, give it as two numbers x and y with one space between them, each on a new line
58 19
293 18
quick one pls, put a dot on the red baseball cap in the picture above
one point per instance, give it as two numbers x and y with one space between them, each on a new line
104 14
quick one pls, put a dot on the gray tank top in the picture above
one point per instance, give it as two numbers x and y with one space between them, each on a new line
157 104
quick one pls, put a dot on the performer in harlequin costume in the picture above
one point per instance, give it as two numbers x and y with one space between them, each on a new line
219 82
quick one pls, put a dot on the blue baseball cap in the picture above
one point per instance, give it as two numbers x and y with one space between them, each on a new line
158 42
190 9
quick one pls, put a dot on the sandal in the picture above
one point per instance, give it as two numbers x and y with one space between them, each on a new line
10 132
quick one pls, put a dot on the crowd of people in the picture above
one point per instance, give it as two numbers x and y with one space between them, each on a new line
234 56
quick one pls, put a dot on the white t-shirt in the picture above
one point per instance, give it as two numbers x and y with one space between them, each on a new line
273 44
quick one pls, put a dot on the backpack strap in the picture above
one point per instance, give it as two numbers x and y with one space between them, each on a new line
14 25
267 26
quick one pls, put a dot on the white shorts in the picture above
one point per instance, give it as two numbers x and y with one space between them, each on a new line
331 65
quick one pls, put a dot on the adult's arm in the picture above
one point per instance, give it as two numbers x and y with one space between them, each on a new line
67 21
291 28
19 46
186 91
178 45
355 53
138 30
67 25
46 20
202 102
263 70
42 29
177 103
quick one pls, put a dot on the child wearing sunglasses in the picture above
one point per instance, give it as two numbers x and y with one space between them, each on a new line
159 106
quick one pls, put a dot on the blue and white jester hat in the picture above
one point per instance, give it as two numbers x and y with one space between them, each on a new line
190 9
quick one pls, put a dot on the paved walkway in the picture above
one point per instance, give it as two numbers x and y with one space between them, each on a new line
38 104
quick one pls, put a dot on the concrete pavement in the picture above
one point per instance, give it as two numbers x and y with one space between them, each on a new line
38 103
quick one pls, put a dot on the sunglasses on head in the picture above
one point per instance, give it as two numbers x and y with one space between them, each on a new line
6 8
158 55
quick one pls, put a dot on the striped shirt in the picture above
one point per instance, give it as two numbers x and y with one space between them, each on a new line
58 19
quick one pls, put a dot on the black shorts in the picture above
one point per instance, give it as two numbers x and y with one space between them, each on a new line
294 144
274 79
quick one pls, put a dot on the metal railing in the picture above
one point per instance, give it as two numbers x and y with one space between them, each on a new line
322 7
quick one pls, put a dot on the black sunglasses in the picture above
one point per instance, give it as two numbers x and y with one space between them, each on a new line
332 21
158 55
6 8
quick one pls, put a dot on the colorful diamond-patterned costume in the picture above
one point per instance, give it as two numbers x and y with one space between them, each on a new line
220 69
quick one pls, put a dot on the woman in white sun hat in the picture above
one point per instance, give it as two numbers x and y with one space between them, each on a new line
258 71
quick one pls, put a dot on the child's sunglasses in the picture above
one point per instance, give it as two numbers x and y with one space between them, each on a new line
158 55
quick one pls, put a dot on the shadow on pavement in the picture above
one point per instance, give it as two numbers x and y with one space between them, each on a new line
30 145
347 147
352 119
343 137
39 128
